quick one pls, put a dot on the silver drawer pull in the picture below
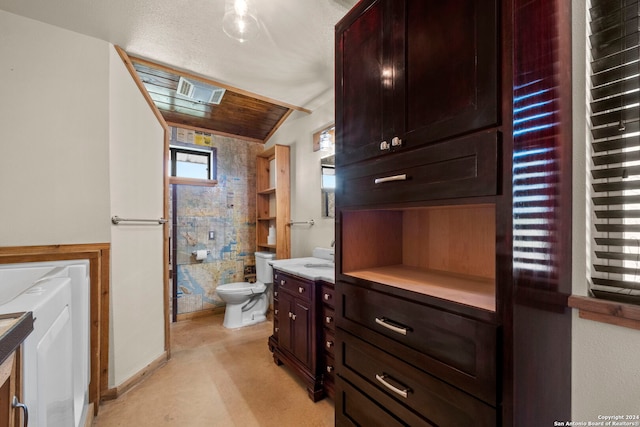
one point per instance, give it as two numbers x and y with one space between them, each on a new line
402 177
329 344
300 289
404 392
329 368
328 319
327 297
402 330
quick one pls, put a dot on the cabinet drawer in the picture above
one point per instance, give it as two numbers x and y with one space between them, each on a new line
465 167
292 285
379 373
456 349
327 295
354 408
328 377
328 318
328 341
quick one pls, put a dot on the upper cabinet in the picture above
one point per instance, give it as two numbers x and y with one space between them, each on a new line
414 72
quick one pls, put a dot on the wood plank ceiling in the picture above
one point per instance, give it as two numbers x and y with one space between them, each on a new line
239 114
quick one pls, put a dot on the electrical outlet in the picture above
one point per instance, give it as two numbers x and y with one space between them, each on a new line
212 235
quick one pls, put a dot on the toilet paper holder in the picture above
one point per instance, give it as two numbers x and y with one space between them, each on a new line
194 253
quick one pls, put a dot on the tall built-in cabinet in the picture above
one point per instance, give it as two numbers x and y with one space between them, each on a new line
273 203
453 154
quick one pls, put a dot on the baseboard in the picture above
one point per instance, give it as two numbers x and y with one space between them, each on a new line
200 313
114 393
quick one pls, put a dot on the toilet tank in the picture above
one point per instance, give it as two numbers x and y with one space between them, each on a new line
264 271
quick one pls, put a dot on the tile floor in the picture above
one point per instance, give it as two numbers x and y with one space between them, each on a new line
217 377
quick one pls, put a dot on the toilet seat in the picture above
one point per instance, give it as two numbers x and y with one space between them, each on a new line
242 288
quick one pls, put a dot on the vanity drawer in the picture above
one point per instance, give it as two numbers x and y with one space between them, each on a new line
328 341
328 318
464 167
387 379
292 285
457 349
329 375
327 295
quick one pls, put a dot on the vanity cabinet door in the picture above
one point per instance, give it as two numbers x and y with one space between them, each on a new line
284 321
301 340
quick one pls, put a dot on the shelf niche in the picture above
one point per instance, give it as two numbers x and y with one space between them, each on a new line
273 200
447 252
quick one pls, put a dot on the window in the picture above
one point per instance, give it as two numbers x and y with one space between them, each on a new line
192 163
615 166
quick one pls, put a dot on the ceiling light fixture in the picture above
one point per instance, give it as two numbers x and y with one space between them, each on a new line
239 21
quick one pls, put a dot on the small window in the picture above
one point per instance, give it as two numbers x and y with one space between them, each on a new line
328 178
192 163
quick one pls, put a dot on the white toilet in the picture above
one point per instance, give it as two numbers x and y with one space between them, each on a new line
247 303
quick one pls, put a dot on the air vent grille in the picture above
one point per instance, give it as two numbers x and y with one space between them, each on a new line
185 88
199 92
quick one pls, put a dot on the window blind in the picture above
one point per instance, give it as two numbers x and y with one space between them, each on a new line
615 168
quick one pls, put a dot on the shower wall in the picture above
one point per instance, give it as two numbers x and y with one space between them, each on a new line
220 219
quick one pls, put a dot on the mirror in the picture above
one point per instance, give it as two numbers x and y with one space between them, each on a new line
328 185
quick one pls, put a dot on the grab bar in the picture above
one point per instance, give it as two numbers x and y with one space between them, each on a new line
310 222
117 220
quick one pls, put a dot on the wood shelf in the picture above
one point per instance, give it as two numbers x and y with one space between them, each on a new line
469 290
273 203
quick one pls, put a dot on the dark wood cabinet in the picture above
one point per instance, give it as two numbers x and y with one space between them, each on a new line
414 72
453 240
296 334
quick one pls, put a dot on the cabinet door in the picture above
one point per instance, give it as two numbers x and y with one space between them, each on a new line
364 79
451 68
285 312
302 331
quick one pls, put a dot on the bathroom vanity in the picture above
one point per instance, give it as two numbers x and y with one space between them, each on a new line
303 332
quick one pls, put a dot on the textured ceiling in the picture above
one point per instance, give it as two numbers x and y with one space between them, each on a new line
291 61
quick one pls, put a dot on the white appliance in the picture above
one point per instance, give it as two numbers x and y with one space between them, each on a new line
56 369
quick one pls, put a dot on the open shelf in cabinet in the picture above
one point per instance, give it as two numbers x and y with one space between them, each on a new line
445 251
272 203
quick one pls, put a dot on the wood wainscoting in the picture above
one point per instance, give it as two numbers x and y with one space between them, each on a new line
98 255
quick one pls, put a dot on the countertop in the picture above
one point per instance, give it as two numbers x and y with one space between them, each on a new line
311 268
14 328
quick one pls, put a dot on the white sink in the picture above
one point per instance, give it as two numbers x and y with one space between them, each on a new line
323 253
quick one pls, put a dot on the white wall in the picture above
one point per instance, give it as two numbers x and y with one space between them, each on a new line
136 177
606 377
65 99
54 135
297 132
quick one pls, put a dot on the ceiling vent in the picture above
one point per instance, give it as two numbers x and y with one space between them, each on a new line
200 92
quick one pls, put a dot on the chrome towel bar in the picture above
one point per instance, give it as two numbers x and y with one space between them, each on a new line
117 220
310 222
